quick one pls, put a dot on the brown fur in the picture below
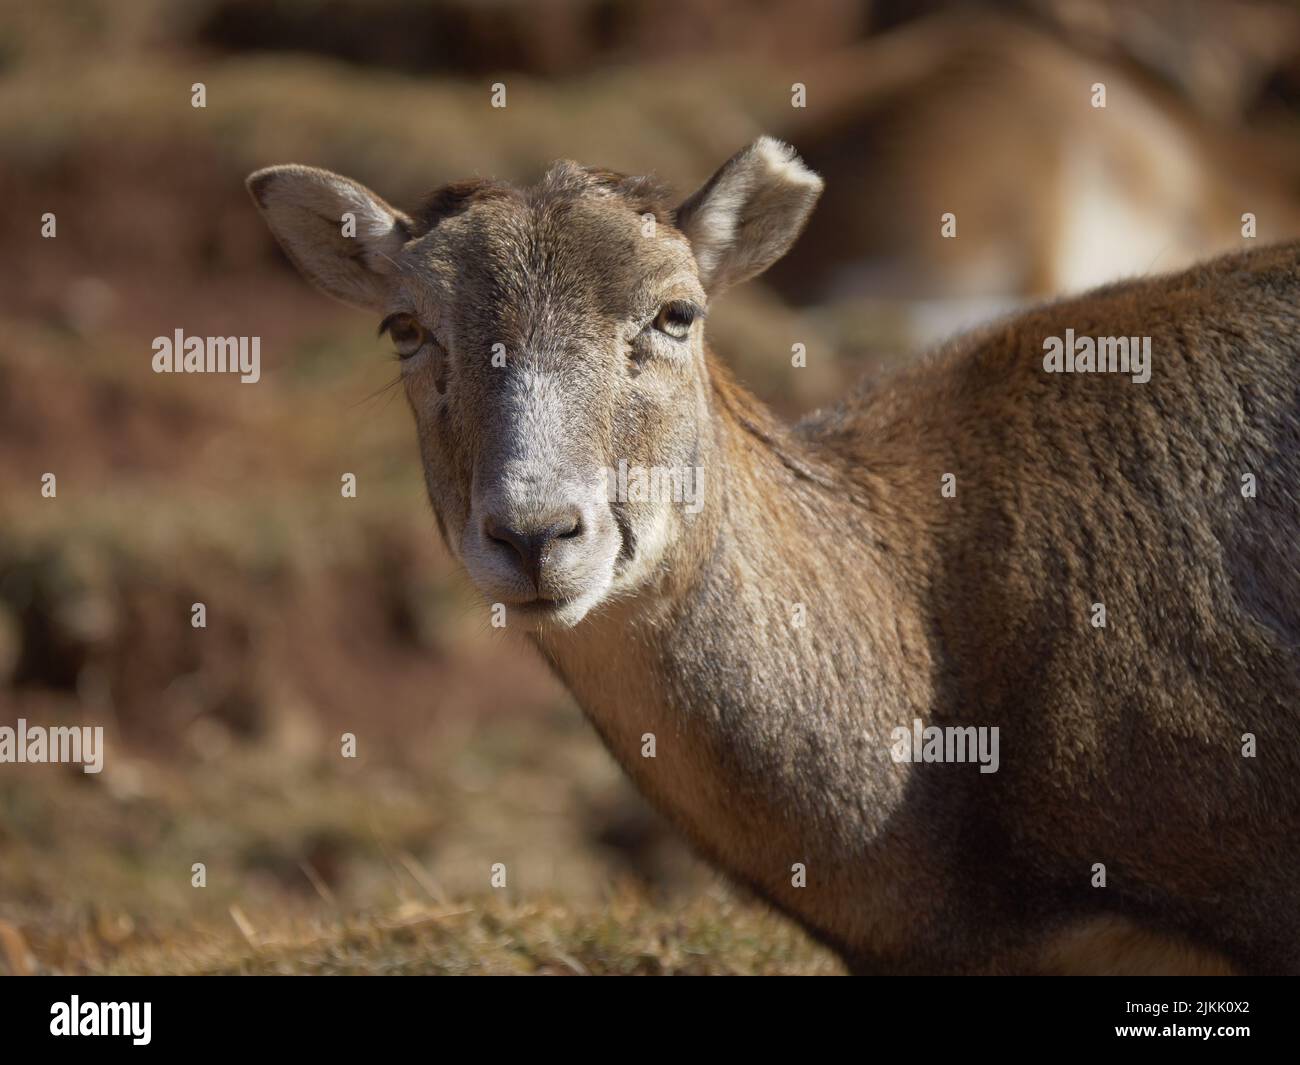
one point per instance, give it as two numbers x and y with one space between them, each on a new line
1119 745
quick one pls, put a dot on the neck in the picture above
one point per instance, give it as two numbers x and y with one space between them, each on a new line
767 669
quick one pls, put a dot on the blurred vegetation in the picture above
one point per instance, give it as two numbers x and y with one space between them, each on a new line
328 615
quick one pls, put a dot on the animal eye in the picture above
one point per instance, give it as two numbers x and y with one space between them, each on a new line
407 334
674 319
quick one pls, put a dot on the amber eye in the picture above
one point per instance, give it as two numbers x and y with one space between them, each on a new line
407 334
674 319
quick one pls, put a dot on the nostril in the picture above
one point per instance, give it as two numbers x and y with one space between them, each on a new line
502 534
531 545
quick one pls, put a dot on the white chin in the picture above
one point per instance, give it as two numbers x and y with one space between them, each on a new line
546 615
542 616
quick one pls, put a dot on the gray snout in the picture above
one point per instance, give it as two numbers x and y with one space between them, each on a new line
539 545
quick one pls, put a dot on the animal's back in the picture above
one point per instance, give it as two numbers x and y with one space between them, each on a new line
1172 506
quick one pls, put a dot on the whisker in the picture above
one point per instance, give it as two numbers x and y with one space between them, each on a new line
402 268
384 390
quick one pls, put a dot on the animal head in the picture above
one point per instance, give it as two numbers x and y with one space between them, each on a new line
552 351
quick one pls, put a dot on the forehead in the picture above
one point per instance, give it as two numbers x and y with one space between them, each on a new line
598 243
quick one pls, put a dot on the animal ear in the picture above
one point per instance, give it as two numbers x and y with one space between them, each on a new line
341 236
748 214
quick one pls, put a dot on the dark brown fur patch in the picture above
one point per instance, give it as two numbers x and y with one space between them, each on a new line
457 196
644 194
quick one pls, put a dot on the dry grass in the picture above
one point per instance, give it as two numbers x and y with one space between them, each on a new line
313 867
628 936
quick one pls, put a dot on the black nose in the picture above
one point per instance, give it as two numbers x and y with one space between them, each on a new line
533 543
